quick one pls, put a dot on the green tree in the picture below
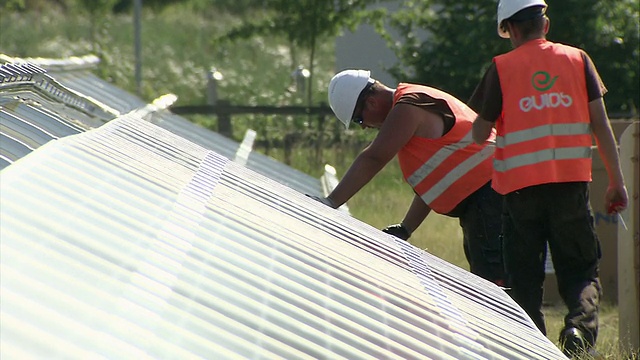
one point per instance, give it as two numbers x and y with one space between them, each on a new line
446 44
609 32
306 22
32 5
617 55
462 40
97 10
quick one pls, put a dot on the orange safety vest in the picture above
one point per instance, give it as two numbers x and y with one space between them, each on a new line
544 133
444 171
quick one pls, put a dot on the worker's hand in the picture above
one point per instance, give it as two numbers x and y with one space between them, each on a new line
324 200
398 230
616 198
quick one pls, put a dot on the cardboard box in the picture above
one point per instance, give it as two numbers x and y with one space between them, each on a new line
629 244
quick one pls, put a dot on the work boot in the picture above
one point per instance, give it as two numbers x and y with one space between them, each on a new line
573 343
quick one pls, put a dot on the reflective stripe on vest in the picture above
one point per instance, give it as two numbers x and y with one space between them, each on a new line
457 173
579 152
461 169
542 131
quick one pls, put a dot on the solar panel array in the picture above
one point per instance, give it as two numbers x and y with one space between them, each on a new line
34 109
128 240
75 76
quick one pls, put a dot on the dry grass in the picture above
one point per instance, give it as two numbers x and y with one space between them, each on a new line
608 345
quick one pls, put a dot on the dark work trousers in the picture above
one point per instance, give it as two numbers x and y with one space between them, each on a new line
559 214
480 218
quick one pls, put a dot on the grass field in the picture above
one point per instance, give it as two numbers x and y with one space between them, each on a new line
177 54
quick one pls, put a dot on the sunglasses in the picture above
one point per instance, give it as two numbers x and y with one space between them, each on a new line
357 119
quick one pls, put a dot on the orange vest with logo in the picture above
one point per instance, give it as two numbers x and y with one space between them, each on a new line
444 171
544 133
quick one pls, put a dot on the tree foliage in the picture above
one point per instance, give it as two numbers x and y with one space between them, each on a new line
305 22
29 5
618 52
461 40
609 32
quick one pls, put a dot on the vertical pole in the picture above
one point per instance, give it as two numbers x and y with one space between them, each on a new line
300 76
224 119
137 13
320 140
213 76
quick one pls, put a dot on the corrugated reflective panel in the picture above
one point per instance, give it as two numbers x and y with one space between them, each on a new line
283 173
195 133
26 124
90 85
75 73
129 242
35 109
86 83
74 78
228 148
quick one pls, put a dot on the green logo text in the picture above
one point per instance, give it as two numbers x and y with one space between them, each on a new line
542 81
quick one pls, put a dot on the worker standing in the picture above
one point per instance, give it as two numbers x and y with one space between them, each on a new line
546 100
430 132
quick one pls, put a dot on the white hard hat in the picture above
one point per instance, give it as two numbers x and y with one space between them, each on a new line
344 89
508 8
